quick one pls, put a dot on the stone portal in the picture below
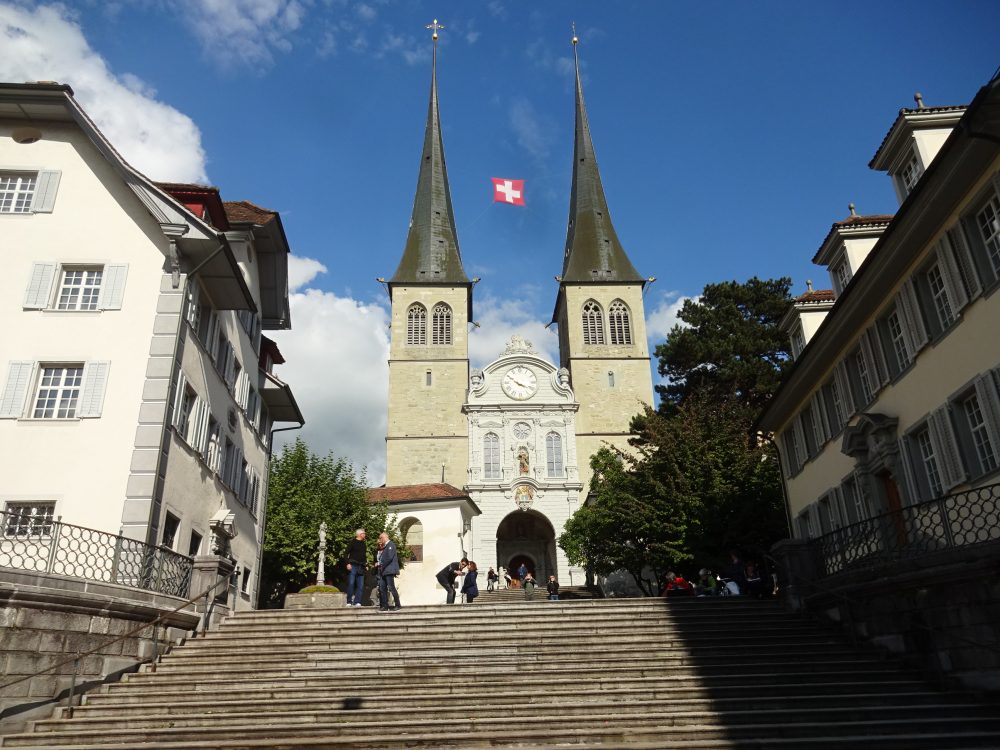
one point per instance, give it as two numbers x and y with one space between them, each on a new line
527 536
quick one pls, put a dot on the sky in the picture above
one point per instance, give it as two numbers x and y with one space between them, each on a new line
729 135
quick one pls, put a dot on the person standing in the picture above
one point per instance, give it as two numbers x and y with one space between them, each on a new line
469 586
522 573
446 577
388 569
529 586
553 588
491 579
357 556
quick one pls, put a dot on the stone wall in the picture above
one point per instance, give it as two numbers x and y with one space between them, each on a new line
45 619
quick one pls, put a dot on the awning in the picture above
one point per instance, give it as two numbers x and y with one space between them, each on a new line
280 401
215 265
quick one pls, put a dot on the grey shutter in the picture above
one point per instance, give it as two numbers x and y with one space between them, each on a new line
910 316
871 351
950 273
200 437
15 389
966 264
945 445
46 187
820 418
875 341
179 402
38 295
910 483
989 404
837 498
113 287
844 388
95 381
802 454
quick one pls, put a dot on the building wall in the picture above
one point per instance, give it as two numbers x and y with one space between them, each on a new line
443 544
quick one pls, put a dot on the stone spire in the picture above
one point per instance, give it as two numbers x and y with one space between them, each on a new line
431 253
593 252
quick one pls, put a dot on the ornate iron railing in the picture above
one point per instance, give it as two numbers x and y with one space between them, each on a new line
962 519
42 544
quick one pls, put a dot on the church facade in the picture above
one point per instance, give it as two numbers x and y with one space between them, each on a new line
489 464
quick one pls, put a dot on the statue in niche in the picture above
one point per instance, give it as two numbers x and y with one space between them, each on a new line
522 461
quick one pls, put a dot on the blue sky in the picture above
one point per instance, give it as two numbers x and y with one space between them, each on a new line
729 136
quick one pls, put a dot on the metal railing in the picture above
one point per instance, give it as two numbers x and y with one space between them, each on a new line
959 520
41 544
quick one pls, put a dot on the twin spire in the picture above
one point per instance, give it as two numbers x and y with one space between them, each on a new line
593 251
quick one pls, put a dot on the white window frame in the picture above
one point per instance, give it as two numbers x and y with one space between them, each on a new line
940 298
492 467
929 461
988 224
553 455
979 429
37 521
17 191
909 173
841 274
83 296
899 344
67 394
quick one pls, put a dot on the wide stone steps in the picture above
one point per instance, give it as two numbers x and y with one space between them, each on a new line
584 674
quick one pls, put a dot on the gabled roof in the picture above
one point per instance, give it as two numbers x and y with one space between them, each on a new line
431 254
593 252
816 295
852 226
913 119
272 254
245 212
416 493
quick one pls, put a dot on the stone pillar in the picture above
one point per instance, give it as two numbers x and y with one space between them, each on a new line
209 570
797 571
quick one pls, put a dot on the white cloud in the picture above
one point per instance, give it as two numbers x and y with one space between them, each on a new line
366 12
663 317
46 43
242 32
534 131
499 320
337 366
302 270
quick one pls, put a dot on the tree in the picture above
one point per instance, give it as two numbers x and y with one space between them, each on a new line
305 490
730 345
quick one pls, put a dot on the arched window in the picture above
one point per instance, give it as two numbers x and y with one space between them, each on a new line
618 322
416 324
491 456
441 324
593 323
553 455
413 537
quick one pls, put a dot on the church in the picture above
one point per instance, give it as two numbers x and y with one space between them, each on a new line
489 464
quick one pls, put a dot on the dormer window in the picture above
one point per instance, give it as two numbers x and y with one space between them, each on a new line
841 276
909 174
798 341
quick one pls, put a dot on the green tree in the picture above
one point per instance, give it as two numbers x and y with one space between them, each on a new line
305 490
728 344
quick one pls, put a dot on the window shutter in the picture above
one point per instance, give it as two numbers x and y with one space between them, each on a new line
909 482
178 402
874 362
15 389
802 452
113 287
989 404
910 316
837 500
46 186
820 416
211 337
844 389
945 445
950 273
95 381
39 292
966 264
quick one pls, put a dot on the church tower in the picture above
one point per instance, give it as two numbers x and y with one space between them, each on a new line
431 298
599 310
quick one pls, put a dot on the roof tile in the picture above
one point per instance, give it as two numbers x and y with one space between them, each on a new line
246 212
413 493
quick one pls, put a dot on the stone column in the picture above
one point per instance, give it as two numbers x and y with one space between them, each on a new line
797 570
209 570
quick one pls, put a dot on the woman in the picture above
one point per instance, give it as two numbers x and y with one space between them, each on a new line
469 587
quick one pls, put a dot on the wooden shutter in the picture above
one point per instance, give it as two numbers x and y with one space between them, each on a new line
909 481
95 381
46 187
871 351
802 452
966 264
820 417
113 287
989 405
844 388
179 403
911 317
38 295
951 275
15 390
942 436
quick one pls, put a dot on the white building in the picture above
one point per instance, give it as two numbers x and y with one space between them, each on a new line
136 397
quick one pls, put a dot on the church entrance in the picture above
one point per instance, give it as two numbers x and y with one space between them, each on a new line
526 537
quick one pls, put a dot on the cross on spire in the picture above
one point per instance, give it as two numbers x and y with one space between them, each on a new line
434 27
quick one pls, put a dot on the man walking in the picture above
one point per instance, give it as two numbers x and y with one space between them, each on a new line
388 569
446 577
357 556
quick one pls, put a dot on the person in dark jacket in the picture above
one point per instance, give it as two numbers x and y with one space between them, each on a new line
491 579
469 586
553 588
446 577
387 562
357 555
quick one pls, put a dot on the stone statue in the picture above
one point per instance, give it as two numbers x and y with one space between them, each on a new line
518 345
522 461
563 377
477 378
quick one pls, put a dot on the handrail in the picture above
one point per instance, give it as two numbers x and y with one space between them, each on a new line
856 602
154 623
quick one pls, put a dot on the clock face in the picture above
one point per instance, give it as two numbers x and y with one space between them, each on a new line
519 383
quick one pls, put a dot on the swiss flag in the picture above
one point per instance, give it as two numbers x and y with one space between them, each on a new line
508 191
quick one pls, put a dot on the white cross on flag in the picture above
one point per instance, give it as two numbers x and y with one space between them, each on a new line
508 191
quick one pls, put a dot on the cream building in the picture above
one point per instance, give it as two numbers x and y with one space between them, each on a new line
137 393
490 464
894 396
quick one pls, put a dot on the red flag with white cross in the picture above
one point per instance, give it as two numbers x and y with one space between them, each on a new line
508 191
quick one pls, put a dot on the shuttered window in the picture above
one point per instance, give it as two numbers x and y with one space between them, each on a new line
416 325
593 323
619 324
58 393
988 223
441 325
17 190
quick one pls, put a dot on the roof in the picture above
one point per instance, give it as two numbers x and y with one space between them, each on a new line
203 201
817 295
431 253
854 225
935 116
270 346
593 251
415 493
855 221
245 212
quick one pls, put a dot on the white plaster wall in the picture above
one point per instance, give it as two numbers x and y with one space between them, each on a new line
929 142
811 321
857 249
442 545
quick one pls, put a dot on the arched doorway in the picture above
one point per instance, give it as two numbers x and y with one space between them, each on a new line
527 536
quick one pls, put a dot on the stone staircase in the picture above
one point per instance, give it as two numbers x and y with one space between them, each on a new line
625 673
566 593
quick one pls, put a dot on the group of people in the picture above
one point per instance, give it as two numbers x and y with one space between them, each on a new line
469 573
386 565
738 578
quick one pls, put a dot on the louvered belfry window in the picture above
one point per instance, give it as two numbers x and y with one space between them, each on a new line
619 323
593 323
416 324
441 325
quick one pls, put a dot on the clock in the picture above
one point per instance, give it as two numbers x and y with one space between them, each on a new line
519 383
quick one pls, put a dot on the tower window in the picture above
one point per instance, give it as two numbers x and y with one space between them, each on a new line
441 325
611 378
427 378
491 456
553 455
416 324
593 323
619 323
